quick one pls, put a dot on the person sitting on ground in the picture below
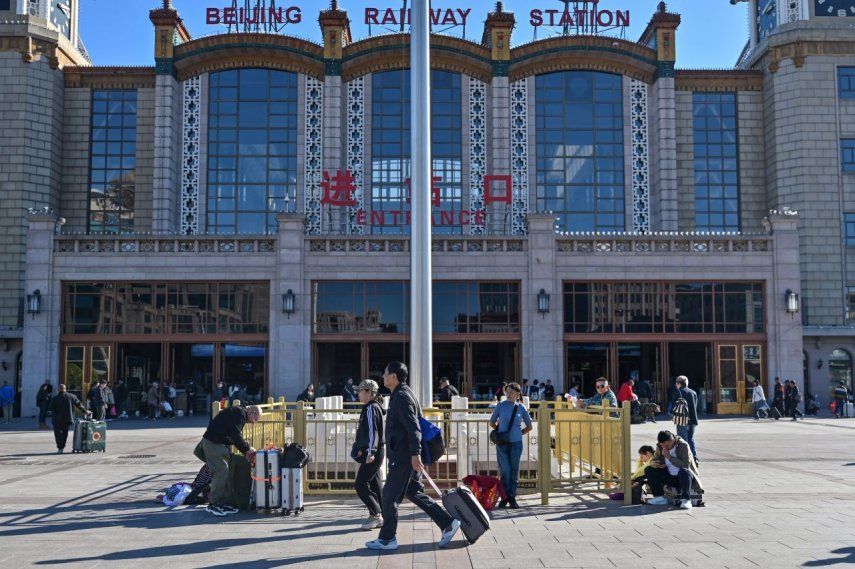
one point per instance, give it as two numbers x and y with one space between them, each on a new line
673 465
446 391
226 429
639 477
605 396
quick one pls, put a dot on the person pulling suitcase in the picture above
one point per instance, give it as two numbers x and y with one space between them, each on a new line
62 415
403 444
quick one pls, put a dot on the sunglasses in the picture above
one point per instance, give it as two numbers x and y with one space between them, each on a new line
601 386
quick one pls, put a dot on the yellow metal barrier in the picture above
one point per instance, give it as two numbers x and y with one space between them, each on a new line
568 449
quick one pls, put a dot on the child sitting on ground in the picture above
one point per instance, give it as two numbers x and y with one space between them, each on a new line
645 455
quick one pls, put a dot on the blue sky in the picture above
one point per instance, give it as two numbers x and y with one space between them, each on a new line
712 34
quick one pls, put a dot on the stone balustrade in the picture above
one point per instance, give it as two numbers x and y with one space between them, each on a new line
162 244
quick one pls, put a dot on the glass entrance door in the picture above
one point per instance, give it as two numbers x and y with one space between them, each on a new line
492 364
585 363
334 363
139 366
739 365
449 362
695 361
637 362
193 363
84 365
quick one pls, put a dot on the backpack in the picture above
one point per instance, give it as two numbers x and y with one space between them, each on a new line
433 446
295 456
680 412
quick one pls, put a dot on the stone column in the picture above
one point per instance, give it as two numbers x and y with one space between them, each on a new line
41 331
663 154
290 336
784 330
542 350
166 185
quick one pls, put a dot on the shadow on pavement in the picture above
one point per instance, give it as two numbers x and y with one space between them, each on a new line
848 558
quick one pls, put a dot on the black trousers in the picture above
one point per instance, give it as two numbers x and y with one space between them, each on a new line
402 480
60 433
43 409
368 486
658 478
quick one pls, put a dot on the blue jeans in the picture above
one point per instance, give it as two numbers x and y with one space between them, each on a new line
509 466
687 433
760 409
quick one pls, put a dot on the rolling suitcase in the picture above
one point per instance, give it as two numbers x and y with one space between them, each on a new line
89 436
462 505
267 481
292 491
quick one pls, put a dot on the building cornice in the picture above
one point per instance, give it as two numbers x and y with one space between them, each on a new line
718 80
109 77
230 51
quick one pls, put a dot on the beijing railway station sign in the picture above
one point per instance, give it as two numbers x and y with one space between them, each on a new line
570 17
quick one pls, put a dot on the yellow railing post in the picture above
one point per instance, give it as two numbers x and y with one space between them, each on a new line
626 454
544 458
300 424
270 401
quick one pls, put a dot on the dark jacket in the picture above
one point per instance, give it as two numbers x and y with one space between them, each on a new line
447 392
643 389
692 399
349 392
369 433
548 392
403 435
96 397
61 408
684 459
121 393
226 428
44 394
794 396
779 392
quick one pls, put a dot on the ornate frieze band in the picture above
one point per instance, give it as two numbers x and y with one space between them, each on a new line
190 156
477 152
519 156
314 153
356 147
640 156
794 10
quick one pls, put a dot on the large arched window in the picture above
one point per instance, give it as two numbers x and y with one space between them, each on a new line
252 149
390 152
579 145
840 368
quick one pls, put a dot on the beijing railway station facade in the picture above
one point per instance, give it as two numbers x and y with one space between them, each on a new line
238 210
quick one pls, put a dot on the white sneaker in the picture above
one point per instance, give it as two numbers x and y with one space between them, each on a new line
448 534
658 501
686 505
373 522
390 545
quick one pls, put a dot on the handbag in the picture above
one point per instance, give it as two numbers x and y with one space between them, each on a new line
501 438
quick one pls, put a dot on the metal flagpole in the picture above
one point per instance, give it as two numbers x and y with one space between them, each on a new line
421 336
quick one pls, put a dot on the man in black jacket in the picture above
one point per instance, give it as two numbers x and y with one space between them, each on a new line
62 415
43 398
404 477
687 432
226 429
446 391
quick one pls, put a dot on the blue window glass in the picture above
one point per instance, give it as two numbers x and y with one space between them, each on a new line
846 82
113 152
716 149
252 149
849 227
579 145
847 154
390 152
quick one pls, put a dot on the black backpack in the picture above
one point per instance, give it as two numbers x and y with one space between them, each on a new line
295 456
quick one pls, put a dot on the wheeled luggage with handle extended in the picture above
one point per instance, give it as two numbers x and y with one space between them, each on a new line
89 436
267 481
462 505
292 491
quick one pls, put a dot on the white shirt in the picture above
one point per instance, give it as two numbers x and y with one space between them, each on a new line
758 394
672 470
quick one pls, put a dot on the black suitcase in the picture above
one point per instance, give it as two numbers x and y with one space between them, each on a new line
462 505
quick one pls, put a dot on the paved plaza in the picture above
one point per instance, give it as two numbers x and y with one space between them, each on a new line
779 494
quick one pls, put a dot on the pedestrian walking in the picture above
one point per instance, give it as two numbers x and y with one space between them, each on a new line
120 394
446 391
96 400
226 429
404 477
171 395
109 402
153 400
62 407
841 398
369 450
788 398
759 400
7 401
794 398
686 431
43 398
190 396
778 399
508 419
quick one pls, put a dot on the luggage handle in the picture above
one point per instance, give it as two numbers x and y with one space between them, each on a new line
432 483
